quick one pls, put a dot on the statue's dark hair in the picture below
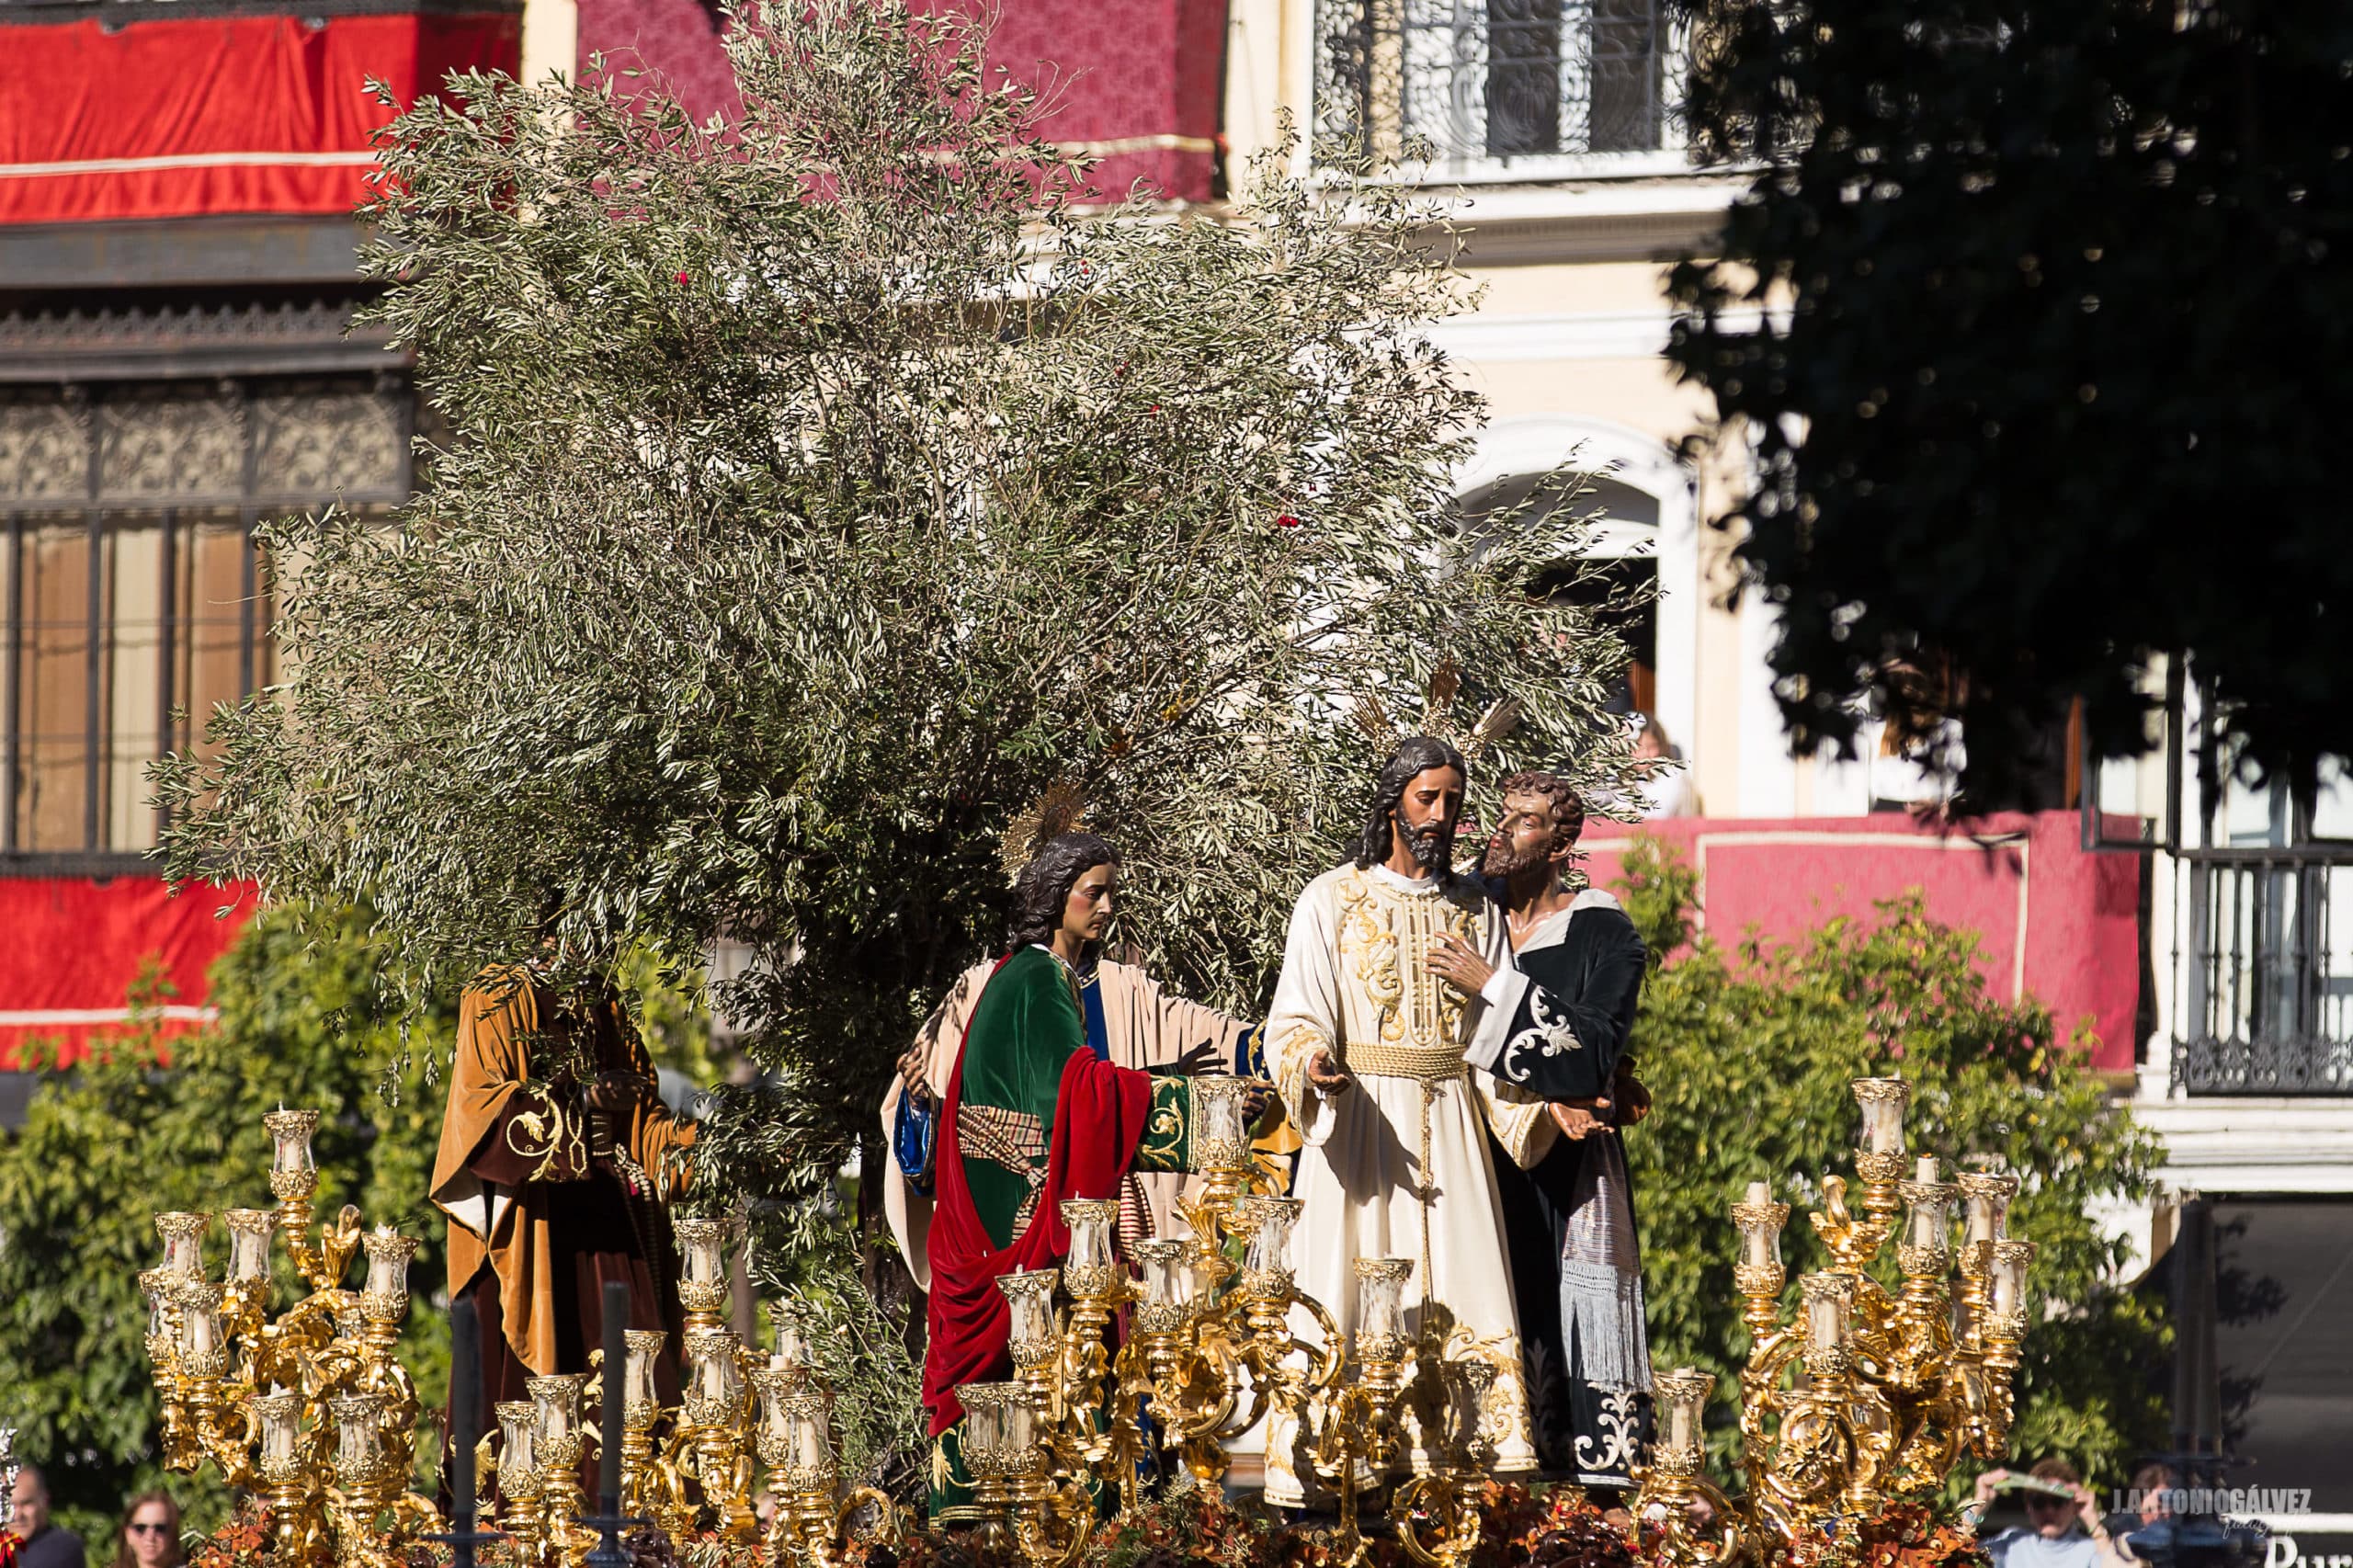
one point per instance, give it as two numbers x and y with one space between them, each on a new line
1043 887
1568 806
1415 756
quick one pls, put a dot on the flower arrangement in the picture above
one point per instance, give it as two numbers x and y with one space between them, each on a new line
1896 1537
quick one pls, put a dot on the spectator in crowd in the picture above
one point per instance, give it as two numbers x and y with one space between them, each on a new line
2151 1496
1664 789
45 1545
2058 1504
150 1537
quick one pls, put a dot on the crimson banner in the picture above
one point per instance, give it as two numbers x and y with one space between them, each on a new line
182 118
71 948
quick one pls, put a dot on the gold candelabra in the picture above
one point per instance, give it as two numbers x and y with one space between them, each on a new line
690 1463
1210 1352
309 1405
1867 1397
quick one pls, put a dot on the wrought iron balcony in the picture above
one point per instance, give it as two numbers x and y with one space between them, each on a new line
2269 999
1519 89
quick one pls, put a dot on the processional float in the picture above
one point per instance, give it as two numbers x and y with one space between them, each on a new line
1866 1397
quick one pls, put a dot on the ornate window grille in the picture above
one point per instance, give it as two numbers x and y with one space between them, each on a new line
1497 89
131 588
2271 977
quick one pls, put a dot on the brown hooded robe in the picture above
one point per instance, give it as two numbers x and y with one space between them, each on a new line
539 1220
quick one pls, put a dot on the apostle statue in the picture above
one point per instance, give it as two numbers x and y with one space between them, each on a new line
1030 1114
1558 1012
1366 1044
1130 1020
557 1157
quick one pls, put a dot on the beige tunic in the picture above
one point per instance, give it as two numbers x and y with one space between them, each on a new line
1144 1026
1396 1165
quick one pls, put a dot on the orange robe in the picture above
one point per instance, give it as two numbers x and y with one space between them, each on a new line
523 1189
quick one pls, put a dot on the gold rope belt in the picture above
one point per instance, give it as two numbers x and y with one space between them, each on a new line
1427 1065
1433 1067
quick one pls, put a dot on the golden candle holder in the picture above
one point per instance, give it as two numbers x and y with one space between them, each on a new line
1879 1159
183 1234
1759 1275
1099 1286
1352 1432
289 1475
250 1231
1221 1136
1986 1199
515 1468
1026 1508
1164 1307
207 1397
1034 1336
178 1437
1265 1223
1182 1354
642 1488
1286 1373
1674 1477
713 1445
982 1446
1999 1332
559 1445
703 1290
367 1479
1437 1514
795 1441
1892 1393
294 1182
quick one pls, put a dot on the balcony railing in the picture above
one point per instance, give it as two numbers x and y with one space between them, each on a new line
2270 976
1498 89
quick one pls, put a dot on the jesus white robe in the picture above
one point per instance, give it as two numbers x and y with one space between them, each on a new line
1396 1164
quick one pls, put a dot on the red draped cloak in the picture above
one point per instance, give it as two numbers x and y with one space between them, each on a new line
1099 1113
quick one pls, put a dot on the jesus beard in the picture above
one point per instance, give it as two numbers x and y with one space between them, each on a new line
1432 846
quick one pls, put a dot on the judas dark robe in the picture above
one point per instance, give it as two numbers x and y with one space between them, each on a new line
1030 1116
1556 1026
541 1214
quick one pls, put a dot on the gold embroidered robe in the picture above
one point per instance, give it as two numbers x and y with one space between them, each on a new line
1396 1165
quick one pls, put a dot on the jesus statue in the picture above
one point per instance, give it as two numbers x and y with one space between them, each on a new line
1365 1042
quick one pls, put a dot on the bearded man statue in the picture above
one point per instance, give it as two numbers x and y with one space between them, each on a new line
1365 1041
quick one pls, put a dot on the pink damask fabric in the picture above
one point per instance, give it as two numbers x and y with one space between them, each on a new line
1136 82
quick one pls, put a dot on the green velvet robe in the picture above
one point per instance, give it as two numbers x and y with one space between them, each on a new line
1015 1163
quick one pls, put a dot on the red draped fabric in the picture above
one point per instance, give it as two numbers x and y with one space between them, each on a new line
71 948
1099 1113
181 117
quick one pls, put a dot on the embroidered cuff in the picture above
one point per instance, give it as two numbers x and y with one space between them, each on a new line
1503 995
1167 1126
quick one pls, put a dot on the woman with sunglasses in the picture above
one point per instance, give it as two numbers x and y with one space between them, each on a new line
150 1537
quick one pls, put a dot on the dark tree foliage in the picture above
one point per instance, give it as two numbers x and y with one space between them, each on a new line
2053 362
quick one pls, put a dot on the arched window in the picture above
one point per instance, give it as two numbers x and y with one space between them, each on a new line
1646 535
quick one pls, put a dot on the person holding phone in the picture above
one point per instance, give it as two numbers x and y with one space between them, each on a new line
2059 1507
